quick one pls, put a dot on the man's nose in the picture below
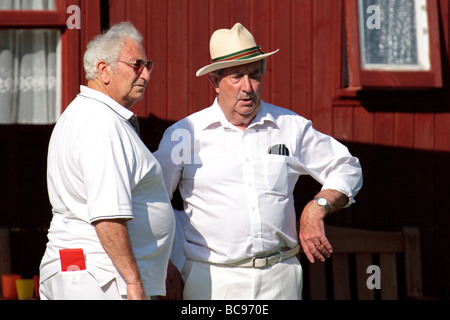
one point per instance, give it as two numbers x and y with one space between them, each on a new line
246 85
145 74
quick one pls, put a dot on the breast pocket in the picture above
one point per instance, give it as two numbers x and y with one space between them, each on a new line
277 169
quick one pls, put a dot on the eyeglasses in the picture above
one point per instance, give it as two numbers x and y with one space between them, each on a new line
139 64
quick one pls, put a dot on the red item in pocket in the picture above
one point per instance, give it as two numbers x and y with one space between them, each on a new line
72 259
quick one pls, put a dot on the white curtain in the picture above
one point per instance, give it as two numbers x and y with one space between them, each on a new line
27 5
395 41
29 70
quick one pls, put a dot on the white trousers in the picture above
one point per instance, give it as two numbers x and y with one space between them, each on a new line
77 285
205 281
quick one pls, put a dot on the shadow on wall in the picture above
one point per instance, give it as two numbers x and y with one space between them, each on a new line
402 187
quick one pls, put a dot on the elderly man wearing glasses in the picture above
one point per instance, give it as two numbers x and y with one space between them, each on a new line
113 225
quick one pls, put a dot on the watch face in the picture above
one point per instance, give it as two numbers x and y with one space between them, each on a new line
322 202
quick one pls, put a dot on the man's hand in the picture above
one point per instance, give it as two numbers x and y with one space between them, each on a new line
136 291
312 233
113 235
312 229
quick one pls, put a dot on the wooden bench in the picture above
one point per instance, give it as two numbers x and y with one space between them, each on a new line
345 275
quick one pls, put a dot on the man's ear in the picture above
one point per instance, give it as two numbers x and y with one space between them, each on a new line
104 71
212 77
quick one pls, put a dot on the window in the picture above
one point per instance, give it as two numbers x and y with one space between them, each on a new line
392 44
30 67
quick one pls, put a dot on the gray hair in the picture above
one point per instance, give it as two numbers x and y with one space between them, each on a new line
107 47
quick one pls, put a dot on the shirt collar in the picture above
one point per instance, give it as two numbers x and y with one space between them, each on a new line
263 115
107 100
215 116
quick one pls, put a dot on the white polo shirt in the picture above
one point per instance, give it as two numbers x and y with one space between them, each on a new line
99 168
239 198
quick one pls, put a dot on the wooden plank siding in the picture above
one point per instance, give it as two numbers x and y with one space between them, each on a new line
177 38
401 137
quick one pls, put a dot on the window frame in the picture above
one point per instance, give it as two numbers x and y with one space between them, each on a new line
72 41
42 19
34 19
391 79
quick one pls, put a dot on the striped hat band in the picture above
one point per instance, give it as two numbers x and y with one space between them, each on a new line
241 55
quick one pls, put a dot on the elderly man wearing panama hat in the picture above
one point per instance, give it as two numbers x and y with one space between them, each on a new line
236 164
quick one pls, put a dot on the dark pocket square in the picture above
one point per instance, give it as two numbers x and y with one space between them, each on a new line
280 149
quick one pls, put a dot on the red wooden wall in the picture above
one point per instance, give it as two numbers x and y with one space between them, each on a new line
401 137
177 35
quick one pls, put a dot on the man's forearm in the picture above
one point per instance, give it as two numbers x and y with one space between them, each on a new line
113 235
336 200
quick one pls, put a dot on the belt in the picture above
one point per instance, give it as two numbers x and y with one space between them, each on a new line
265 261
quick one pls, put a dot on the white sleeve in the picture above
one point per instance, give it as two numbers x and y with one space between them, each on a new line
330 163
107 177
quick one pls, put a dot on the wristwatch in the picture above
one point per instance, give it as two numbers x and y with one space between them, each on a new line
323 203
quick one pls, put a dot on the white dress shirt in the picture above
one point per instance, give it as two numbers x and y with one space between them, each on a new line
238 198
99 168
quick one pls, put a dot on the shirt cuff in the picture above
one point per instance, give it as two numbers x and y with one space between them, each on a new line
343 188
111 217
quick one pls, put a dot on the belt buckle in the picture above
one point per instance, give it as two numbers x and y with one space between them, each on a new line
266 262
279 253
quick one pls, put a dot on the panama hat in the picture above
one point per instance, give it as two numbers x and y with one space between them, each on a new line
232 47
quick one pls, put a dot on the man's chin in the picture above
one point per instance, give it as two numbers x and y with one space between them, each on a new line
138 93
140 89
248 108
